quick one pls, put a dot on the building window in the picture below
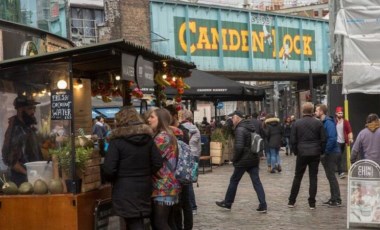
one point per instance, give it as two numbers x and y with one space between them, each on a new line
84 24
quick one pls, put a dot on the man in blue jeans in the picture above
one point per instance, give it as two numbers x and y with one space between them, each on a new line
243 161
331 154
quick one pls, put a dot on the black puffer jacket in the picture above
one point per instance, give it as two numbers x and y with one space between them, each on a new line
242 146
131 160
273 132
308 137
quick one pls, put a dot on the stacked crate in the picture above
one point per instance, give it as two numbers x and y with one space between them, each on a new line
91 176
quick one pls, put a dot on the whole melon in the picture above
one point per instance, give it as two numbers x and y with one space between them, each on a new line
10 188
55 186
40 187
25 188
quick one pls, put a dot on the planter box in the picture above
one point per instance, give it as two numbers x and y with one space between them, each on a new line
216 151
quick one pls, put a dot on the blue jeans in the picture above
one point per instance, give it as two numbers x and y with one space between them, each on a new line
234 182
268 156
274 157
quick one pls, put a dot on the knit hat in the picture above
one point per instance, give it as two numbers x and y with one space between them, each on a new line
339 109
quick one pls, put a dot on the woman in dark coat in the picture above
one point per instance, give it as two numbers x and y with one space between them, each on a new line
131 160
273 134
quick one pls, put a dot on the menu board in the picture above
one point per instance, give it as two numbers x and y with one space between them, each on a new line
61 105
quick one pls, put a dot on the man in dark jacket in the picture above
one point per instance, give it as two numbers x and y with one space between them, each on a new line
21 143
308 140
331 154
243 161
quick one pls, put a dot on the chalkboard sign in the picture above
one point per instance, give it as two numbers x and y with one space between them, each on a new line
61 105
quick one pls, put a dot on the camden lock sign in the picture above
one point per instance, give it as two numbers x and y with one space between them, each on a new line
363 203
205 37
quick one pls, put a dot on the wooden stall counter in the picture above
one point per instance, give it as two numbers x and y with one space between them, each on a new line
61 211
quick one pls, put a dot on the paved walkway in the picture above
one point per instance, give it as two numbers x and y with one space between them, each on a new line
243 215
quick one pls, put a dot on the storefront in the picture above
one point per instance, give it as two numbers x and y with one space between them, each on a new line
63 83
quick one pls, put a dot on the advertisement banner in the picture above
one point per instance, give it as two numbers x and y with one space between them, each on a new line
363 203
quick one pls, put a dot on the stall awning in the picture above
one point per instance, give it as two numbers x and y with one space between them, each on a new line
88 61
209 87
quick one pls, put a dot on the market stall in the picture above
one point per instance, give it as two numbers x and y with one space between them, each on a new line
58 87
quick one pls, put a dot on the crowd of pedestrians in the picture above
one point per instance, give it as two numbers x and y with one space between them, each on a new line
143 154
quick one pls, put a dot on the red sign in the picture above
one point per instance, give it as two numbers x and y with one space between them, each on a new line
54 10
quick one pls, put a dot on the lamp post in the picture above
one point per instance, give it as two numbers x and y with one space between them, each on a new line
312 94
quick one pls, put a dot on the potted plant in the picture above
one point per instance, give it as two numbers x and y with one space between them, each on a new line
216 146
63 155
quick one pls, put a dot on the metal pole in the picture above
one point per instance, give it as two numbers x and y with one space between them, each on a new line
312 94
73 154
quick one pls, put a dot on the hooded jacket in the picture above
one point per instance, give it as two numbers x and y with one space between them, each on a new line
194 138
367 144
131 160
332 146
242 146
273 132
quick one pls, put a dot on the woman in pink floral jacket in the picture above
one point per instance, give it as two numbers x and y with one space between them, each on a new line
165 186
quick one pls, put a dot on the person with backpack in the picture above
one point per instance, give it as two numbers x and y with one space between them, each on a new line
184 208
243 161
194 136
166 187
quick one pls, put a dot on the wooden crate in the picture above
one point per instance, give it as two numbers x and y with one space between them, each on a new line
217 160
91 176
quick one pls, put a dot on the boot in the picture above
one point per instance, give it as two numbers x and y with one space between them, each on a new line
279 169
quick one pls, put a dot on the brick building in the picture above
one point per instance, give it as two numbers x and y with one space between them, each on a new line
128 19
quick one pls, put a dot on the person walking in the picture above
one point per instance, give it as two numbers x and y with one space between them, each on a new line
166 187
330 156
367 144
194 141
243 161
345 138
287 127
273 135
308 140
131 161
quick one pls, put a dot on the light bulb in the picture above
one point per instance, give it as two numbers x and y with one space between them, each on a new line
164 76
62 84
117 77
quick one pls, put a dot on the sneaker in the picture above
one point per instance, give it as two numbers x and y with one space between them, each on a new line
279 169
327 203
331 203
291 205
195 212
262 210
342 175
222 204
312 206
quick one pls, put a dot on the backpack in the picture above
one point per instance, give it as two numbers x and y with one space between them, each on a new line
257 143
185 164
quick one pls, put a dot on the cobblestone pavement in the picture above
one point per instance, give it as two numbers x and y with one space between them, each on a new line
243 215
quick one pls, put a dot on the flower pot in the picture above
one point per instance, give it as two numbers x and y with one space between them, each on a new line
73 186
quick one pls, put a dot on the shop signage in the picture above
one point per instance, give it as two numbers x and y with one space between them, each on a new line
205 37
220 105
145 72
128 67
363 193
61 105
